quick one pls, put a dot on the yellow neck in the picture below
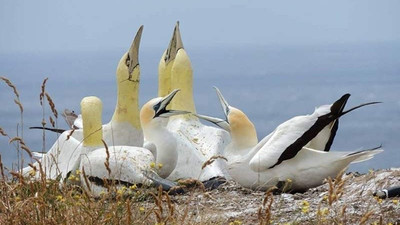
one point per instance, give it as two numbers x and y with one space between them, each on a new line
182 78
91 109
164 77
127 108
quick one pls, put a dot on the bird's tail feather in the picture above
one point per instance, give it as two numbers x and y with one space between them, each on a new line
363 155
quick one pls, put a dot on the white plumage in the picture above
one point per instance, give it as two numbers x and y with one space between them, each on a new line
196 143
128 165
282 155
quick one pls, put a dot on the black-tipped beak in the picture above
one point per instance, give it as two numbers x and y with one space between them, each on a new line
217 121
174 45
161 107
132 60
224 103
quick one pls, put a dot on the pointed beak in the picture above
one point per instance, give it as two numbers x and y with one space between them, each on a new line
174 45
224 124
161 107
217 121
133 54
224 103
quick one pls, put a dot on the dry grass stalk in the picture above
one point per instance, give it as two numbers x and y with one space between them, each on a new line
32 166
18 176
129 211
2 170
52 122
21 124
366 216
11 85
86 179
22 145
264 216
170 206
41 98
159 209
87 185
343 214
2 132
42 93
42 174
212 159
27 150
335 190
185 213
52 105
70 133
21 108
19 139
107 162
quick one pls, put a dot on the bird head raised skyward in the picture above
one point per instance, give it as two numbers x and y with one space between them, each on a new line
175 72
128 76
128 66
242 130
155 111
174 45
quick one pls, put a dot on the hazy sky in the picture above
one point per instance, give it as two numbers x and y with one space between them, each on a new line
90 25
33 33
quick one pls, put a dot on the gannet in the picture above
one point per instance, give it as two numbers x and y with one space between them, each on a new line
285 153
127 165
196 142
124 127
60 159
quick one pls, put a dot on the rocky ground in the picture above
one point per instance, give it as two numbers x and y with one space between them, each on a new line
348 200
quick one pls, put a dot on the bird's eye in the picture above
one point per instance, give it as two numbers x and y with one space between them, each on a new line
128 60
156 106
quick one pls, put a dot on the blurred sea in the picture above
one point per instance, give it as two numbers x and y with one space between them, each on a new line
269 83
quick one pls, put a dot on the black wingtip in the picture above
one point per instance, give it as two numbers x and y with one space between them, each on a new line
370 149
359 106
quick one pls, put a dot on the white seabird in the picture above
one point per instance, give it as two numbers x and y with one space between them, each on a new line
285 153
124 127
127 165
196 142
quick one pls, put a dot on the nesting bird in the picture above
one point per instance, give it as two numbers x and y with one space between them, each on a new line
180 146
290 152
196 142
127 165
123 129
